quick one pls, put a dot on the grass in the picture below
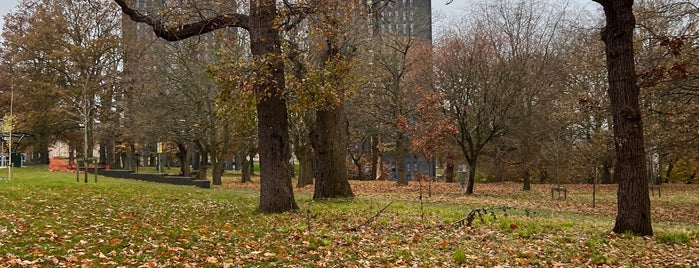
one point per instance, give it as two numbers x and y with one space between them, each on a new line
47 219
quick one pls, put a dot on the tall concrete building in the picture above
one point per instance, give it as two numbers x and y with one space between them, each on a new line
402 24
407 17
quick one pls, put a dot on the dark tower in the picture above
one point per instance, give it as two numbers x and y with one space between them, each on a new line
407 17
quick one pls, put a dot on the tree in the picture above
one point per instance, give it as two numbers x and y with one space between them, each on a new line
23 71
397 72
524 34
666 57
80 56
432 131
301 119
475 92
330 79
235 104
276 193
633 202
584 106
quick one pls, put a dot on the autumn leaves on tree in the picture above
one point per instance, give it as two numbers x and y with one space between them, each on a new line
516 93
272 113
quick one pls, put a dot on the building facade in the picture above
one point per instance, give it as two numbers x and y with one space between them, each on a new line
405 17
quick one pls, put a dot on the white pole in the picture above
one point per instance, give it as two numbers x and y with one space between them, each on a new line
11 126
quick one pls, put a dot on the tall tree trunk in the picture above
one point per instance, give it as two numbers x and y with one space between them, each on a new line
182 155
605 173
239 160
112 160
203 161
633 202
499 168
103 153
670 166
375 165
544 175
401 155
276 192
329 141
471 174
657 179
305 156
449 168
217 169
219 152
526 181
194 156
44 151
360 168
251 162
246 168
131 157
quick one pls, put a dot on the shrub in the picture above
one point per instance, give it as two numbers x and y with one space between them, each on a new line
672 238
459 256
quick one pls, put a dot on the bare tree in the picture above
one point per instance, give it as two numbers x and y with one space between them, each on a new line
276 193
474 92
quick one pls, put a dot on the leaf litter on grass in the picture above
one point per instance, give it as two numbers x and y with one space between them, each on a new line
134 224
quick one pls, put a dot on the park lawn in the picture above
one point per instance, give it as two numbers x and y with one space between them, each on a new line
47 219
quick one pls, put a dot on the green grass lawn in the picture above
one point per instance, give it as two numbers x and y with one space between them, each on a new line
47 219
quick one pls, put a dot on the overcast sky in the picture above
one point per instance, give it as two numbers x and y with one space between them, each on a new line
442 13
6 6
454 8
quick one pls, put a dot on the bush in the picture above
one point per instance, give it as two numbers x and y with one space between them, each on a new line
459 256
672 238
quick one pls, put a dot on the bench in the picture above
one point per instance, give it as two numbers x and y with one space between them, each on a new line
559 190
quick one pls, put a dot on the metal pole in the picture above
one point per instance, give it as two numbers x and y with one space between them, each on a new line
11 126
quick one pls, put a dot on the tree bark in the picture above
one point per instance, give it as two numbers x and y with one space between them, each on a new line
360 168
252 164
246 168
633 207
668 172
526 181
401 155
203 159
305 156
449 170
329 141
112 159
184 160
605 173
499 168
44 152
471 174
217 169
194 157
276 192
374 158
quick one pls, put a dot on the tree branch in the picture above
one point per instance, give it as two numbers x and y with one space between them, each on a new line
354 229
184 31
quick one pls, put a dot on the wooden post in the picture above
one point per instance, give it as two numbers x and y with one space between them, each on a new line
95 170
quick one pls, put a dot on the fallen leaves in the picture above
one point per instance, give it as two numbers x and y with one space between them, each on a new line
108 224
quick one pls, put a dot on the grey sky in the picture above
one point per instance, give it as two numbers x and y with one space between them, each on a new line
439 9
5 7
